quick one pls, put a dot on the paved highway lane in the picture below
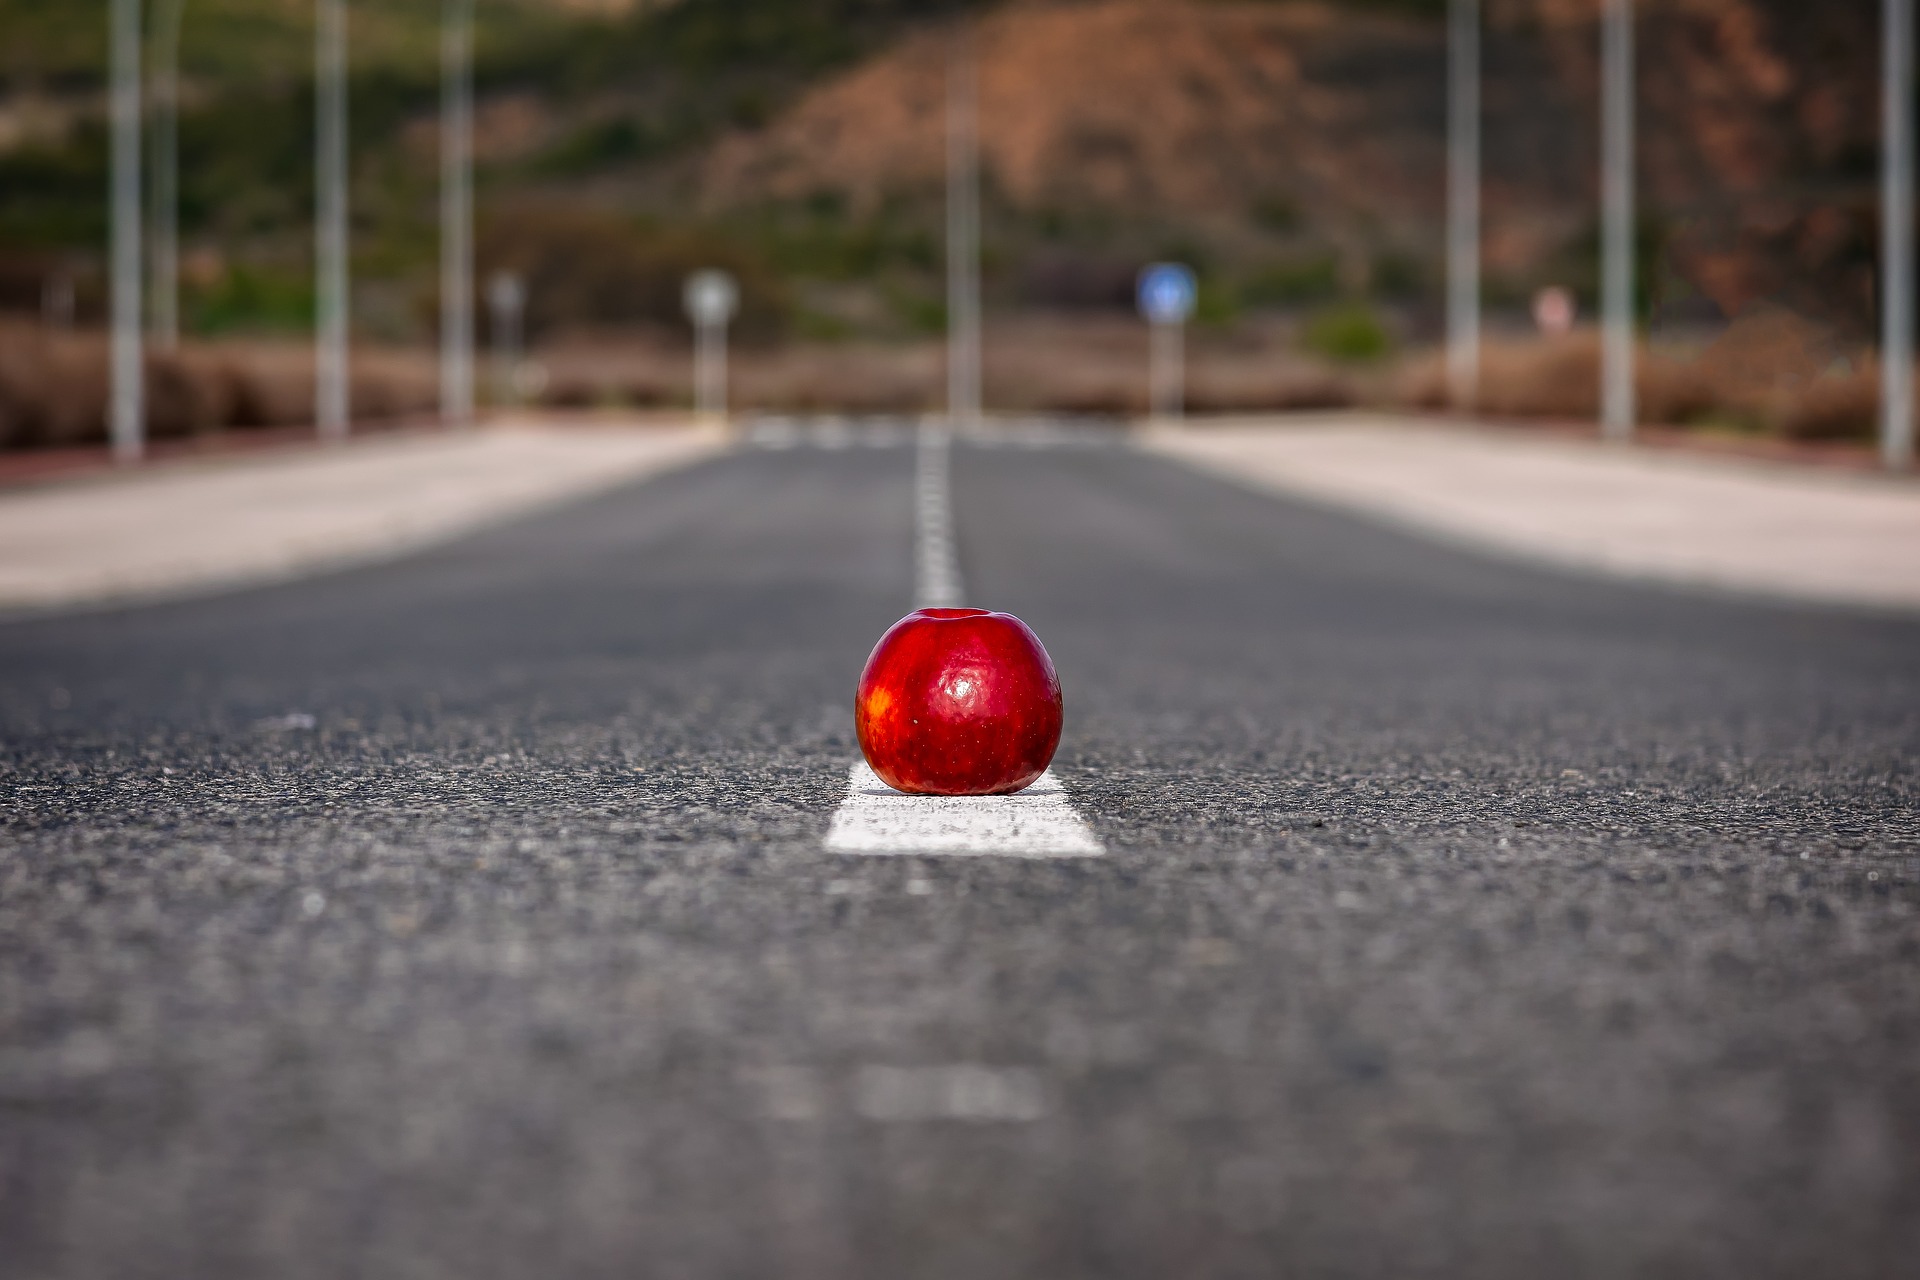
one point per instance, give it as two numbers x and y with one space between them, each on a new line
1453 919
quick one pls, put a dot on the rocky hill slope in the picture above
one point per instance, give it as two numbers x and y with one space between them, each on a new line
1326 124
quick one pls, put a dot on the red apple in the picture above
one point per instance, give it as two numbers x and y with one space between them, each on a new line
958 702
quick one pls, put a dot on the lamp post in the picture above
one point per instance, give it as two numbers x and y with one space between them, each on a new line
331 406
127 416
166 175
456 214
1896 235
963 235
1463 203
1616 217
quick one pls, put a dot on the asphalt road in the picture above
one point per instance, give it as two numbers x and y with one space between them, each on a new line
466 916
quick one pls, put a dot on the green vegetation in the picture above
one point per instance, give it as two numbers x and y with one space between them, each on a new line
1350 333
1214 303
1293 282
596 268
731 39
225 43
819 239
1277 214
627 91
53 197
618 98
1398 276
599 145
817 326
251 298
921 314
1577 266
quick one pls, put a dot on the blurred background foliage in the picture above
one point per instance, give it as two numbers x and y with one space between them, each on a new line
613 88
603 125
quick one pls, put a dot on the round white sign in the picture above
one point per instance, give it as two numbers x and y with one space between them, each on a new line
505 293
711 298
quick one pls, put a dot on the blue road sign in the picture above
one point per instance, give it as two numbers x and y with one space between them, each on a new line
1167 291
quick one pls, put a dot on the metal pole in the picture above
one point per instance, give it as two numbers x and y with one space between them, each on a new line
331 406
166 177
706 370
1896 235
508 298
963 237
1177 371
127 424
1156 369
702 341
1463 203
1616 215
1167 362
456 214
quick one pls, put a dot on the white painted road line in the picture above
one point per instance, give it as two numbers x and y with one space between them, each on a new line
1036 823
965 1091
959 1091
936 560
781 432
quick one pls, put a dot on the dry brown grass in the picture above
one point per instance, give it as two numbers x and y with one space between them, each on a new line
1773 376
1841 405
1031 364
54 386
1766 378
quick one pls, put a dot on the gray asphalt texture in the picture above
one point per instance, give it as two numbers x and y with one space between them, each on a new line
1459 918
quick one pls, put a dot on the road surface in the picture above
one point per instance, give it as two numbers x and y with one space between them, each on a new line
470 915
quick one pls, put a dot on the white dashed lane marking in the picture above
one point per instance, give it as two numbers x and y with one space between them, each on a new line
936 559
832 432
1036 823
958 1091
964 1091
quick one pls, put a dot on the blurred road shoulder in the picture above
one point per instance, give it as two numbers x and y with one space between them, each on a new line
208 524
1736 524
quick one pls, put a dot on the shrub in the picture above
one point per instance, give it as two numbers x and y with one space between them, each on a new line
1292 282
585 268
53 387
1839 405
1351 333
246 299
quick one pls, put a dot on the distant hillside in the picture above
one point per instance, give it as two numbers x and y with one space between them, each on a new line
1326 125
1290 148
1227 113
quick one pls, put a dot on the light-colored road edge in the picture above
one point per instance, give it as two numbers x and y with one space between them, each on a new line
196 528
1730 525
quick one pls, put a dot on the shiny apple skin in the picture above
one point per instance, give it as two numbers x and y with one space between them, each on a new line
958 702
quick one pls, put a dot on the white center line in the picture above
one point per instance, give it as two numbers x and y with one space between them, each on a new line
936 559
1038 822
955 1091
